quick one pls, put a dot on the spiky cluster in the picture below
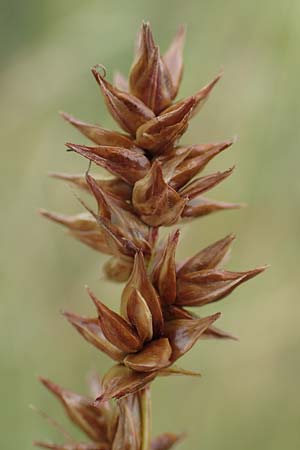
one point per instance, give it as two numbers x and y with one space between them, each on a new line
155 183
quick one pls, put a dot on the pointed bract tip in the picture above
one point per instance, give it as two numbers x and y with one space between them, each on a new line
96 73
54 388
260 269
65 116
42 212
215 316
94 299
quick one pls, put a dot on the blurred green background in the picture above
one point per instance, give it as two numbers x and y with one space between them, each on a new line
249 396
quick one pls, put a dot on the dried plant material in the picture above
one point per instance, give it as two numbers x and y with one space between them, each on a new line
140 281
164 272
122 162
126 109
149 79
166 441
206 286
183 334
154 356
158 134
139 315
99 135
208 258
91 331
156 182
155 202
115 328
119 426
81 411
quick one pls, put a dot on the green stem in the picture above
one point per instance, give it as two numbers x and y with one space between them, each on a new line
145 405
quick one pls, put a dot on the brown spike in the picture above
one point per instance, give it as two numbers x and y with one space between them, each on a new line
149 79
127 110
77 222
139 281
115 328
164 273
208 258
92 332
156 202
183 334
161 132
139 315
80 410
118 244
206 286
126 436
82 227
120 213
126 164
114 186
183 163
202 95
203 184
202 206
99 135
121 381
77 180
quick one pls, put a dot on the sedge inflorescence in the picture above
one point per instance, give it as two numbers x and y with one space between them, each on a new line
155 182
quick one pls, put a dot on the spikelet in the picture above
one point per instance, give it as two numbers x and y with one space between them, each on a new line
154 182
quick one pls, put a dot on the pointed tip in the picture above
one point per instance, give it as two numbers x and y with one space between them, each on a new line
71 146
214 81
42 212
65 116
54 388
56 175
227 172
215 316
182 29
230 237
99 305
71 317
260 269
55 217
99 77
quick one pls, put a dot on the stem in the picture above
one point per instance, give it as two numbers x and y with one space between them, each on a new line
145 406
